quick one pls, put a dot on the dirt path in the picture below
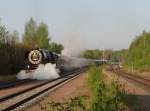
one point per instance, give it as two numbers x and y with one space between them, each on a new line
69 90
143 95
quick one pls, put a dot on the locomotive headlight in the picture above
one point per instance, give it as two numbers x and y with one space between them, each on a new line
28 66
35 57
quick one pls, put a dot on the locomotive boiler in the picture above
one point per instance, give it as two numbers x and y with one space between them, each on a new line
39 56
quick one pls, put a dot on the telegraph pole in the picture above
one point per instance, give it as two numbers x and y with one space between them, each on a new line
144 47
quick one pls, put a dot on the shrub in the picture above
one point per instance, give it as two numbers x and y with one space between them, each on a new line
74 104
106 95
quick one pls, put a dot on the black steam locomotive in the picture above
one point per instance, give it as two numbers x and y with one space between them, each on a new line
39 56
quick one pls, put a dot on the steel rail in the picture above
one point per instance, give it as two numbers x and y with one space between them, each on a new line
138 79
23 101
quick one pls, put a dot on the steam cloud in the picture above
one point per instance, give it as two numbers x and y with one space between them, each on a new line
47 71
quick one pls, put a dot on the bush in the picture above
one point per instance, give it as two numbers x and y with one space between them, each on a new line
74 104
106 95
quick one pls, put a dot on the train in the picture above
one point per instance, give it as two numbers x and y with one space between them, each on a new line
35 57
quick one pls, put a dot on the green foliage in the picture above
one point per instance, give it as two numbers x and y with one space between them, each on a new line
74 104
36 36
41 37
108 54
15 37
94 75
106 95
55 47
12 51
4 35
29 37
138 56
115 55
92 54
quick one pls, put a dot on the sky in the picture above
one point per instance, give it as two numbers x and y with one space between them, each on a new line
81 24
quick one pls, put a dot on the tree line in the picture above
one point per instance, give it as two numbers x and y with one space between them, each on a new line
12 49
108 54
136 57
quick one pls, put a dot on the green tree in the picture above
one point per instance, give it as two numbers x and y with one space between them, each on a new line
12 51
88 54
55 47
36 35
42 33
29 36
138 55
7 52
92 54
15 37
4 34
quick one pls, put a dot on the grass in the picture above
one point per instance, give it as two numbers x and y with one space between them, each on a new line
105 96
74 104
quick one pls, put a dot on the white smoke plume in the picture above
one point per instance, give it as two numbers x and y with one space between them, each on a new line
47 71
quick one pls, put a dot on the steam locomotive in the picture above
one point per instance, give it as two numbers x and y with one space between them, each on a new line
39 56
65 64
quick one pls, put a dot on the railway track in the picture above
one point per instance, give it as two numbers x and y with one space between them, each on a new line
135 78
14 83
23 99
